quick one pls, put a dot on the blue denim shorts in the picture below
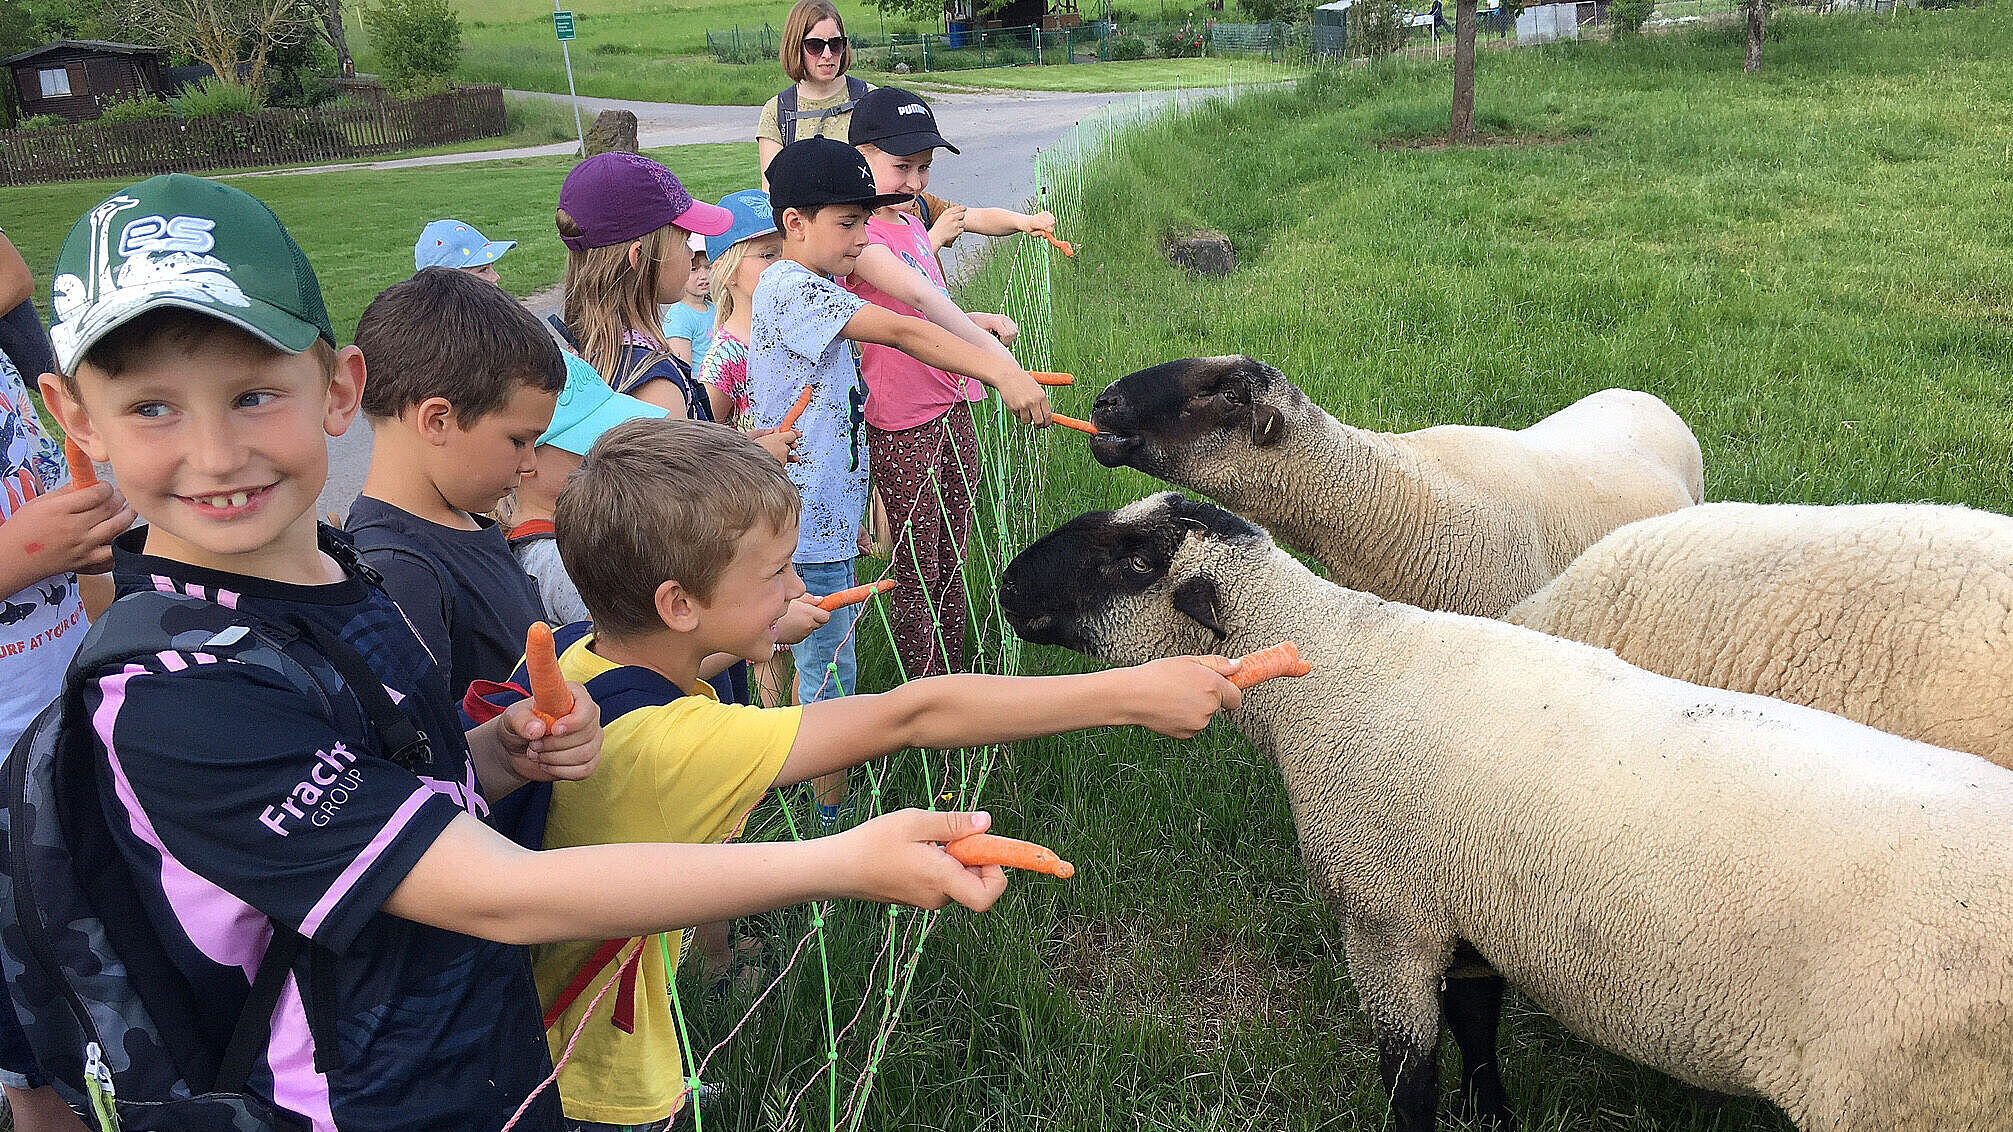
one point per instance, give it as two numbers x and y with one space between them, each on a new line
832 643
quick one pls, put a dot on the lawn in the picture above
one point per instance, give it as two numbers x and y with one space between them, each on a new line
1809 264
1140 74
507 200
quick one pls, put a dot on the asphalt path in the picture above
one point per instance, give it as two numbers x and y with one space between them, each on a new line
998 132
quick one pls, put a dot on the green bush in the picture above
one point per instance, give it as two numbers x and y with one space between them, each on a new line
418 44
139 108
1627 16
1376 28
1184 42
1119 47
213 98
43 122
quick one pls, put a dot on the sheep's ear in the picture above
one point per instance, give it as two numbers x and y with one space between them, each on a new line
1268 426
1197 598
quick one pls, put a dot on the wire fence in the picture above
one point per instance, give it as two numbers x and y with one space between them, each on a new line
963 48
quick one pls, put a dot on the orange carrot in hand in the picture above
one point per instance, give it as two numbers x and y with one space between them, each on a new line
1067 249
1282 659
1044 377
797 410
856 594
550 697
82 473
985 849
1072 422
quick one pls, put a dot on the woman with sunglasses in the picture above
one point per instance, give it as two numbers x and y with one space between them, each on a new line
819 103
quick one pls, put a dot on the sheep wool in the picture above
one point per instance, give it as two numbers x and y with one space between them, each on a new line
1463 518
1899 616
1752 896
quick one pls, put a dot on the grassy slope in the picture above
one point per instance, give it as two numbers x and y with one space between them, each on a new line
358 228
1808 264
656 52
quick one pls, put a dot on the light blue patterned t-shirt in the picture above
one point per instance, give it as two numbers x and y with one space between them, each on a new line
696 327
795 342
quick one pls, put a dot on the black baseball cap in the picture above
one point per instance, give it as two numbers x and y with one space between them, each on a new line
895 121
824 171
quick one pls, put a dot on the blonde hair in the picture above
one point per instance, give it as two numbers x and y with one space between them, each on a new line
805 16
723 276
606 297
658 500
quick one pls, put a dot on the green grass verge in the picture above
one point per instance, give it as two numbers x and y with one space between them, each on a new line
1142 74
507 200
1808 264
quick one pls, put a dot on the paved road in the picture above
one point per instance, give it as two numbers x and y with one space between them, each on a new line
998 132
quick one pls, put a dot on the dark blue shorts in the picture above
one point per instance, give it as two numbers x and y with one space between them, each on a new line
18 1067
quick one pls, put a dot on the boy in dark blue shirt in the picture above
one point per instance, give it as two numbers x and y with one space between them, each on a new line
461 380
198 361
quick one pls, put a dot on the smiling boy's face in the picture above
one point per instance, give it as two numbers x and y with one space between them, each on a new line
831 241
221 448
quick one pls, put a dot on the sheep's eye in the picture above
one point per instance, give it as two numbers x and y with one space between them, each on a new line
1139 564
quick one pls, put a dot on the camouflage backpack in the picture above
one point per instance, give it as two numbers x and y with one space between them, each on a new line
111 1020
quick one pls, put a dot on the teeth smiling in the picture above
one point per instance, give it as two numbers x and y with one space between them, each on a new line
236 499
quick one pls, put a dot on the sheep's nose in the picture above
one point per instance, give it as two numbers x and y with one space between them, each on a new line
1108 403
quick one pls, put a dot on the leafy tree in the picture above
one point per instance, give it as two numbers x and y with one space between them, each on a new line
1376 27
1628 16
418 41
224 35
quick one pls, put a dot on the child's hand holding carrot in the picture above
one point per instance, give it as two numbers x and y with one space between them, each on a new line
898 858
803 619
1019 392
556 734
1177 697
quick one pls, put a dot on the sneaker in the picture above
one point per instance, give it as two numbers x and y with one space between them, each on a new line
828 816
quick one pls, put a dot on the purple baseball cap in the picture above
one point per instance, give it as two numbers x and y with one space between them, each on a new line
616 197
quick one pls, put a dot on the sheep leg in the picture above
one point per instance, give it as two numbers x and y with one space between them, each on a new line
1400 990
1474 1011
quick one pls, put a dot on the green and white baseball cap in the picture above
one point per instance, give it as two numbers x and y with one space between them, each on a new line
182 241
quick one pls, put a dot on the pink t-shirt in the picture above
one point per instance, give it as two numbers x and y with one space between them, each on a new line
901 391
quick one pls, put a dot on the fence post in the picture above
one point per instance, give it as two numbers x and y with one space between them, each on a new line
926 51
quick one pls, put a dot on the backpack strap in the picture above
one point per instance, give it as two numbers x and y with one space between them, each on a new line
787 114
530 531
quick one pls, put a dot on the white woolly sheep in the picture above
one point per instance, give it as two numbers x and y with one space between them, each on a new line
1899 616
1456 517
1752 896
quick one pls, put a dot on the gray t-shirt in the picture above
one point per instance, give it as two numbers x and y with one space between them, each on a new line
795 342
540 559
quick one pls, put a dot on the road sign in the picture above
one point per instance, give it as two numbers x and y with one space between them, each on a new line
562 23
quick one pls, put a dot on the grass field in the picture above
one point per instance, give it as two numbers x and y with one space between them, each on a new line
656 52
1809 264
507 200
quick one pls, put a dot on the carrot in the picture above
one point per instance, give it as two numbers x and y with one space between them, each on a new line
1072 422
854 595
1282 659
1044 377
550 697
82 473
1067 249
985 849
797 410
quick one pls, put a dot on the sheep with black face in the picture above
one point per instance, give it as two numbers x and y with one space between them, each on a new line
1752 896
1457 517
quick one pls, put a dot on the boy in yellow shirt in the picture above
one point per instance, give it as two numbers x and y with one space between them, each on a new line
679 536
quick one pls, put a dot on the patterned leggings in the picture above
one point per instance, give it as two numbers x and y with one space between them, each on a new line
926 476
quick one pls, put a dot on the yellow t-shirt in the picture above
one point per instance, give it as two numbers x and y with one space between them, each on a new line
687 771
838 126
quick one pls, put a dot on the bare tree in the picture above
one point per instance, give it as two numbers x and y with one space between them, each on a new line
1462 128
224 34
1757 11
331 16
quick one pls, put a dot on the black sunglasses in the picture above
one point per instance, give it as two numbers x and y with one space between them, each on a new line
815 46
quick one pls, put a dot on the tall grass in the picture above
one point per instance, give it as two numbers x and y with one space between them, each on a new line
1808 264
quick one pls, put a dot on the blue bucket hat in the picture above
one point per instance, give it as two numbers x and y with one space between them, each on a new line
753 216
450 243
588 407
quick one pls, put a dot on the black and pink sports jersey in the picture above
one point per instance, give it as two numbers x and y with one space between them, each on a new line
238 800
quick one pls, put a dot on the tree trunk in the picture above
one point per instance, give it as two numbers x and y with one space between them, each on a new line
1462 128
332 31
1756 9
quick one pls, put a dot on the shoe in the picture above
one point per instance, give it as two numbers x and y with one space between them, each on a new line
828 816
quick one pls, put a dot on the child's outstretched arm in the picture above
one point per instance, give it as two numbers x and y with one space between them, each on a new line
475 881
968 710
1007 222
882 269
931 344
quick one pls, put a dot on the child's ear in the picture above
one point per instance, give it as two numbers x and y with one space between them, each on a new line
434 418
676 607
69 412
345 391
635 254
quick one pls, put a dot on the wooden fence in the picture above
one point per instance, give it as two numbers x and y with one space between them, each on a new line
238 141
